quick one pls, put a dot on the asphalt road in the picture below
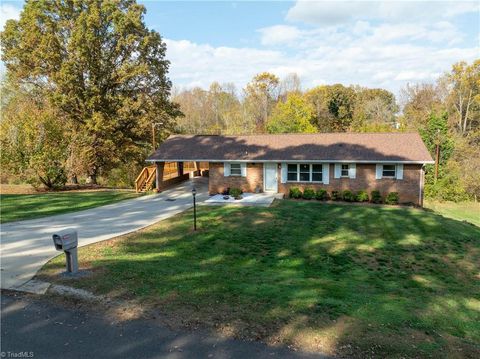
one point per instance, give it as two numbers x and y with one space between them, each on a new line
38 328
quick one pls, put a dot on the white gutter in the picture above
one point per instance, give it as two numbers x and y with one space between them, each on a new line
291 161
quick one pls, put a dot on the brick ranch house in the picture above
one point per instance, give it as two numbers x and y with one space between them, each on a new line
388 162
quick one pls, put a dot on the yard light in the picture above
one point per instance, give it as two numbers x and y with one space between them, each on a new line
194 192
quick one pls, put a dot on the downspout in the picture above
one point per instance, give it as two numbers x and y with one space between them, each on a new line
421 184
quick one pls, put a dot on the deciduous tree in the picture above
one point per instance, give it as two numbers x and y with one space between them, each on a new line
261 94
334 105
33 139
464 95
294 115
100 66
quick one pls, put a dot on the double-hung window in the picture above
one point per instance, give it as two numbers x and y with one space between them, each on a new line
304 172
317 173
344 171
292 174
235 169
389 171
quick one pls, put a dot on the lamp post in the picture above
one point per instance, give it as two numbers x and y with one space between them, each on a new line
194 192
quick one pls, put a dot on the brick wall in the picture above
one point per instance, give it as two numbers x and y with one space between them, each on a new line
217 182
408 187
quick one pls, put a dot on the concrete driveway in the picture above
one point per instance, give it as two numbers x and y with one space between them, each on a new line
27 245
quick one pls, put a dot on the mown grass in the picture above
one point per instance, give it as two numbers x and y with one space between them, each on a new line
462 211
361 281
16 207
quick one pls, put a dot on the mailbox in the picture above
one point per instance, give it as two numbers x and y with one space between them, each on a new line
66 240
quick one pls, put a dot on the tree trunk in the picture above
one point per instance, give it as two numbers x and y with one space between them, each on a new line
74 179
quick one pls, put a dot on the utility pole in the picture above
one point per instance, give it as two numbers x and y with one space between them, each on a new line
437 154
437 159
154 124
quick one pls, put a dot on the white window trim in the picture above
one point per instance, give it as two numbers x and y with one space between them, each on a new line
310 177
394 170
227 171
351 170
239 168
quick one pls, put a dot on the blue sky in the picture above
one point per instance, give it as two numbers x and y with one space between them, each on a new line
377 43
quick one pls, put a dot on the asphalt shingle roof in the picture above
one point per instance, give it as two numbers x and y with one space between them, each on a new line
364 147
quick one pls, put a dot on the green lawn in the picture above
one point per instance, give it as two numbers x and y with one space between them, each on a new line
361 281
463 211
16 207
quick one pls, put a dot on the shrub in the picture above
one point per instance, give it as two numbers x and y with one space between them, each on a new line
376 197
122 176
321 194
362 196
295 193
348 196
336 196
392 198
308 193
235 193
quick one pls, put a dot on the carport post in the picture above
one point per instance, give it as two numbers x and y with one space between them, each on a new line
159 174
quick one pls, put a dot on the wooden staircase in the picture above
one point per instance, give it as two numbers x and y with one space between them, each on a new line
145 179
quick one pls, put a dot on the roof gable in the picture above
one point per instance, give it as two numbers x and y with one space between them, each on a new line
359 147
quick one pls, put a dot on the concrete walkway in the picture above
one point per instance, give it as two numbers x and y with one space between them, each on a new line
27 245
248 199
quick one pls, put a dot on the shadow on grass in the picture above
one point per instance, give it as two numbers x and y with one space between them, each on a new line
337 279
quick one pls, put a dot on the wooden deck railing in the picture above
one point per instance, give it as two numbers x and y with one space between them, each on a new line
145 179
147 176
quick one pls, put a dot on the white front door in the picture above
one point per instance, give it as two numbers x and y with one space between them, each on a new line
270 181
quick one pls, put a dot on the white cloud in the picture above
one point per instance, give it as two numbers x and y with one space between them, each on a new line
328 13
441 32
389 66
8 12
200 64
278 34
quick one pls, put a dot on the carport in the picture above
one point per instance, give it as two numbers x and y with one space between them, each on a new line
162 174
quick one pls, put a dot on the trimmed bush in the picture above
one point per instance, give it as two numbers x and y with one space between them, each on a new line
236 193
376 197
321 194
348 196
362 196
336 196
295 193
392 198
308 193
